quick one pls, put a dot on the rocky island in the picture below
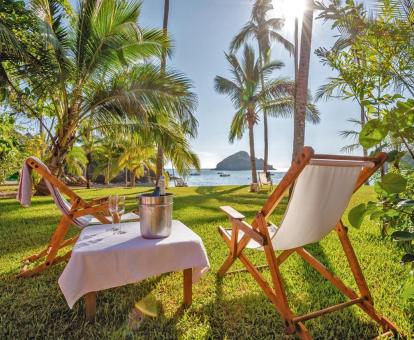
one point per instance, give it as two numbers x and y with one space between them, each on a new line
240 161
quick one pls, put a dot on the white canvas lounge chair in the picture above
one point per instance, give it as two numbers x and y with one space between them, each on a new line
179 182
265 181
322 188
78 212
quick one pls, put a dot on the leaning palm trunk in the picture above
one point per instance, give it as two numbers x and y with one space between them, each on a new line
302 80
253 185
57 160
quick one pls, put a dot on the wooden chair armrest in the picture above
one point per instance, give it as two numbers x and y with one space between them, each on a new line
98 200
254 234
232 213
102 208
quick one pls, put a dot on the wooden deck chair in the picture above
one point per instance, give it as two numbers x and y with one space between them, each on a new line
322 188
265 181
77 212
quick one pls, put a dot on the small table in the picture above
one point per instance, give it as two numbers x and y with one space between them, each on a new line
102 259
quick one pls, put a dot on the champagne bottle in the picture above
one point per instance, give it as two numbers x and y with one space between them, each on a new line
161 184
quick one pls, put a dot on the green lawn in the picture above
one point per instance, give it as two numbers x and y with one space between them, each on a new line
234 307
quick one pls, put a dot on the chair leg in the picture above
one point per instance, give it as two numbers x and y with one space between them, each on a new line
56 242
360 279
25 272
286 312
57 239
226 265
35 257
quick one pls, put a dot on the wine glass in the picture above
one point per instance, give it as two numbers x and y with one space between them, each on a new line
120 211
113 209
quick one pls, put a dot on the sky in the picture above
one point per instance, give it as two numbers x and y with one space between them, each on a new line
201 31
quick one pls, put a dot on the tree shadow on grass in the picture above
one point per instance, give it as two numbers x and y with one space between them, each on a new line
321 293
27 305
250 315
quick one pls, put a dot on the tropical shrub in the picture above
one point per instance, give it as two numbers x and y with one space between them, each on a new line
11 147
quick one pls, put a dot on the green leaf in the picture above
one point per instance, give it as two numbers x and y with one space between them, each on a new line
408 290
394 155
148 306
402 235
405 203
356 215
393 183
376 215
407 258
379 190
392 213
372 133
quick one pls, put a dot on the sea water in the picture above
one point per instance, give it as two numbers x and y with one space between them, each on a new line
208 177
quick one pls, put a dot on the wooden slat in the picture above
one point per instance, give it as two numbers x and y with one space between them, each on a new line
342 163
233 213
365 305
263 266
327 310
344 157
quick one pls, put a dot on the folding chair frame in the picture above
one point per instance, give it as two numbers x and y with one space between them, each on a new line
269 182
98 208
258 231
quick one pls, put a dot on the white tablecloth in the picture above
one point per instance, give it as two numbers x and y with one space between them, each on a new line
101 259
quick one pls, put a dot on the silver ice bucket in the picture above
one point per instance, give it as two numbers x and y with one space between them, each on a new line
155 214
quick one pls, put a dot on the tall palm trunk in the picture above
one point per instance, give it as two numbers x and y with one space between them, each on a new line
160 153
253 185
296 55
88 170
133 178
302 80
265 123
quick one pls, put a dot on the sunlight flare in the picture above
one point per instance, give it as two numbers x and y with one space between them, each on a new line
289 9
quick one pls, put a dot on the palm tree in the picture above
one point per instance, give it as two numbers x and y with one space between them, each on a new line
83 69
301 91
76 161
136 156
247 95
265 31
160 156
89 141
106 155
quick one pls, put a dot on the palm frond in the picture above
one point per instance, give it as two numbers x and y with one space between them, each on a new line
238 126
247 32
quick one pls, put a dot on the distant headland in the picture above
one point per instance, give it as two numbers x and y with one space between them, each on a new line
240 161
